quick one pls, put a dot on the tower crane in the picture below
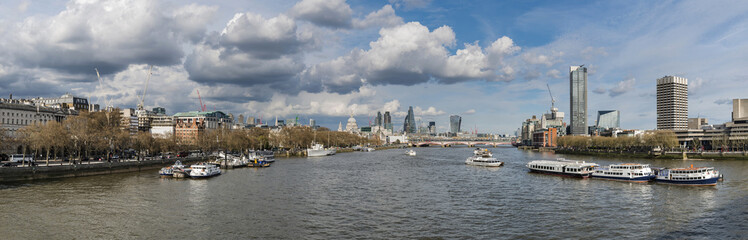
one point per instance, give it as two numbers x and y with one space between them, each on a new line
553 101
101 84
148 79
202 107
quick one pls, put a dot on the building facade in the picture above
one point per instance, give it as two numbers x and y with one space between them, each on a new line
608 119
578 100
672 103
409 125
387 121
65 101
190 125
455 122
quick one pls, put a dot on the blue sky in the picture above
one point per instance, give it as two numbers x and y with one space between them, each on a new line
488 61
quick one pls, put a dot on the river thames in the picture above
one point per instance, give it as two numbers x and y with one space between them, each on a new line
380 195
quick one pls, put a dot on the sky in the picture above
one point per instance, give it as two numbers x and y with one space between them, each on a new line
490 62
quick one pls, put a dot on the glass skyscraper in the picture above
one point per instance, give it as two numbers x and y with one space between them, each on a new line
454 123
578 87
409 126
608 119
387 121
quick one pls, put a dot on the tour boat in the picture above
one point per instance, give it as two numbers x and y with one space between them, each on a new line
483 158
204 170
169 171
632 172
410 152
318 150
570 168
699 176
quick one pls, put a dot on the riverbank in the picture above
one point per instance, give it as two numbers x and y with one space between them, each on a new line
653 155
13 174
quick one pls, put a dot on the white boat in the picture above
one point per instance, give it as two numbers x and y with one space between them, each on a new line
318 150
410 152
699 176
632 172
201 170
169 171
369 149
562 167
484 158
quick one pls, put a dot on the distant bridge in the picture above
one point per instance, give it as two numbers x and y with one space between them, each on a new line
449 143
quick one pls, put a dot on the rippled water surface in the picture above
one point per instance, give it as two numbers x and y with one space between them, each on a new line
381 194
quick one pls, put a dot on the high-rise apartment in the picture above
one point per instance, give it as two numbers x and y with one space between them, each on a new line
672 103
578 87
454 123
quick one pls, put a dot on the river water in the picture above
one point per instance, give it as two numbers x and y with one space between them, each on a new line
380 195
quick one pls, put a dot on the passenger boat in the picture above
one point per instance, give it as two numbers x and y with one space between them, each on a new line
169 171
698 176
632 172
410 152
202 170
258 162
318 150
562 167
483 158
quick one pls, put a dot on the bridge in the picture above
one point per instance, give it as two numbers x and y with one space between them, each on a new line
468 143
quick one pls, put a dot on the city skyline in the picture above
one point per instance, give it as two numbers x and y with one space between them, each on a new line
293 64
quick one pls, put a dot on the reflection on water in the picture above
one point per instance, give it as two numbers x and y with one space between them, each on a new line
382 194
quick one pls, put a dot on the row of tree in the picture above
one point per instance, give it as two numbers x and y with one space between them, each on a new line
645 142
99 134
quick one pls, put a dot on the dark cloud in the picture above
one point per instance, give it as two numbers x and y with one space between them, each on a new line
326 13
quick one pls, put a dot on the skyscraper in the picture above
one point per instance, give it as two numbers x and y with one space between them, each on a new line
432 127
672 103
578 87
387 121
378 120
454 123
608 119
409 125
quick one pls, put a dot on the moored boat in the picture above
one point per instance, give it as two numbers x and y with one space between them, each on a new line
410 152
562 167
697 176
169 171
318 150
632 172
484 158
202 170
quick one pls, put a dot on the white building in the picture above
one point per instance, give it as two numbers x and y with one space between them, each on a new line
672 103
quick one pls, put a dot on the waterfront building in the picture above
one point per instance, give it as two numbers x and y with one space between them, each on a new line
190 125
545 137
578 100
718 136
18 113
608 119
454 123
528 129
697 123
739 109
129 120
672 103
409 125
67 101
162 126
387 121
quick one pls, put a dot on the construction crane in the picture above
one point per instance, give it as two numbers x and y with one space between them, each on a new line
553 101
148 79
202 107
101 84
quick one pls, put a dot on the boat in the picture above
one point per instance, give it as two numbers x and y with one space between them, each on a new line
202 170
697 176
410 152
631 172
258 162
368 149
169 171
484 158
318 150
562 167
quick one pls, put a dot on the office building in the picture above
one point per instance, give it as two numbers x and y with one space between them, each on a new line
190 125
697 123
378 120
409 125
67 101
739 109
454 124
432 127
159 111
672 103
387 121
578 100
608 119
